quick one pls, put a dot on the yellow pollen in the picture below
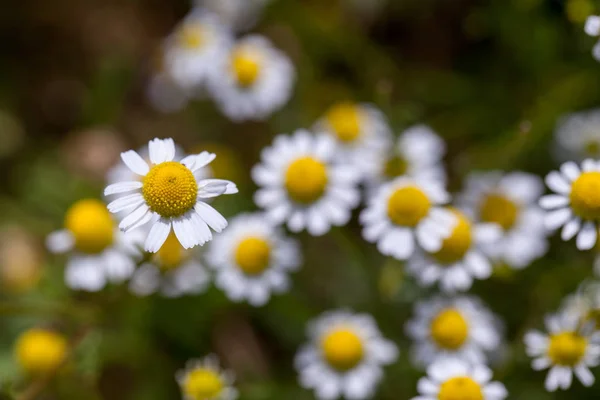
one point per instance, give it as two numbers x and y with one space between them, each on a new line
344 118
585 196
342 349
246 67
395 166
203 384
499 210
407 206
191 36
170 189
171 254
460 388
91 225
40 351
306 180
567 349
455 246
253 255
449 329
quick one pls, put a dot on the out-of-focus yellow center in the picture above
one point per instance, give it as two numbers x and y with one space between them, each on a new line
191 36
91 225
455 246
408 205
253 255
246 66
342 349
306 180
449 329
460 388
170 189
567 349
171 254
345 120
39 351
585 195
395 166
203 384
500 210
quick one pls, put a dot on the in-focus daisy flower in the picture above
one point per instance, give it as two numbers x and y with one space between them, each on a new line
460 259
578 134
568 347
205 380
509 201
453 379
252 259
40 351
301 183
239 15
170 194
345 356
576 203
405 211
592 28
459 327
98 252
253 80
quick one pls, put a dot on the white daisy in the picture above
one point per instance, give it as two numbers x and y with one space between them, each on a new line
252 259
240 15
459 259
592 28
449 379
252 81
345 356
576 204
405 209
205 380
301 183
510 201
460 327
98 252
569 347
578 134
170 194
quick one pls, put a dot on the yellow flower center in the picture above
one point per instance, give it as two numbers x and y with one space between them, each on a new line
567 348
344 119
395 166
246 67
500 210
253 255
460 388
585 195
407 206
171 254
203 384
306 180
342 349
191 36
91 225
449 329
170 189
455 246
40 351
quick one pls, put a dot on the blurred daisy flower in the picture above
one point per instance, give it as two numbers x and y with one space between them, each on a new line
592 28
98 251
460 259
40 351
569 347
345 356
406 210
240 15
450 379
252 81
509 201
301 183
576 203
253 259
578 134
205 380
585 304
170 194
459 327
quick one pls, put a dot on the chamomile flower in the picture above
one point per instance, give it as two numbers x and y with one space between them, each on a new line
578 134
302 183
460 259
240 15
460 327
252 259
253 80
345 356
405 211
170 194
205 380
592 28
568 348
509 201
40 351
576 203
453 379
98 252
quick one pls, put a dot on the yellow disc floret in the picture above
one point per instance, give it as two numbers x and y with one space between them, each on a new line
40 351
455 246
395 166
306 180
253 255
460 388
342 349
171 254
203 384
585 195
344 119
91 225
246 66
449 329
500 210
408 205
191 36
567 348
170 189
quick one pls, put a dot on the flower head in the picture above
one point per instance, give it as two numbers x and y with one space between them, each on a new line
204 380
578 134
40 351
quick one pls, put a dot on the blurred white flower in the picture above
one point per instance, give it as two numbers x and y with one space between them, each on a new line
205 380
578 135
240 15
592 28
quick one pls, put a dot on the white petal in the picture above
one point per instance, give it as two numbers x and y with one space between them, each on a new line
212 217
215 187
557 218
200 228
586 239
133 218
541 363
135 162
157 150
203 159
584 375
588 165
592 25
157 236
60 241
183 230
570 170
552 201
570 229
122 187
495 391
558 183
125 203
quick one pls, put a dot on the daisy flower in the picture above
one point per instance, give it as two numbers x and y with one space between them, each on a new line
576 203
449 379
578 134
252 81
406 210
252 259
170 194
345 356
302 183
460 259
240 15
568 348
509 201
40 351
460 327
205 380
98 252
592 28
